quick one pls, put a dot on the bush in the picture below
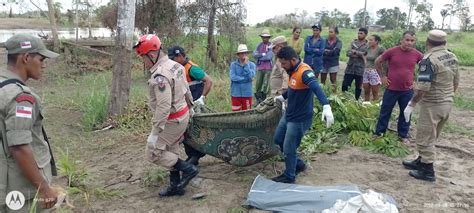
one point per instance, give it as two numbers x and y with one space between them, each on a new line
465 56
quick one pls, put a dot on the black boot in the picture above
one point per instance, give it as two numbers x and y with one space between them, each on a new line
300 169
189 172
425 172
283 179
412 165
194 160
172 189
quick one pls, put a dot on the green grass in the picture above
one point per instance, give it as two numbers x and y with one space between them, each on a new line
455 128
464 103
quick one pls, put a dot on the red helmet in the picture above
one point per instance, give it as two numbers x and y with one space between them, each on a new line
147 43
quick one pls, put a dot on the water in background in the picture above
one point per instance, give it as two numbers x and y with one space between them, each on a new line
68 33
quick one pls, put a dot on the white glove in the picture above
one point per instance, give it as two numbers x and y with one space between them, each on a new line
264 54
200 100
327 115
407 112
151 140
279 98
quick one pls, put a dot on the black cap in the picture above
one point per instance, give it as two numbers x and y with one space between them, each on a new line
316 26
175 50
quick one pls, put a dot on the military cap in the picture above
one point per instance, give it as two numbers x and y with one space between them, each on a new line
25 43
437 35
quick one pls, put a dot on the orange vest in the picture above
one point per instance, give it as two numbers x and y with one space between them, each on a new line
187 68
295 81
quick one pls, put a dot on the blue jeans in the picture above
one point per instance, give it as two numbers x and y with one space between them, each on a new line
288 136
391 97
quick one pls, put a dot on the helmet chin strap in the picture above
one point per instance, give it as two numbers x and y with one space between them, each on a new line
151 59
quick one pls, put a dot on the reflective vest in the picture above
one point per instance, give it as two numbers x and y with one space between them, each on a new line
295 81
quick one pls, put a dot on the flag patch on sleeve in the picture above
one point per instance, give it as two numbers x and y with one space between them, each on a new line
24 112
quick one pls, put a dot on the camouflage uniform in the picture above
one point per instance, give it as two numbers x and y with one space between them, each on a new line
278 79
437 102
169 98
21 123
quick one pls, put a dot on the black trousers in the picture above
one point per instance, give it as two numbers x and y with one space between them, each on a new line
190 151
347 82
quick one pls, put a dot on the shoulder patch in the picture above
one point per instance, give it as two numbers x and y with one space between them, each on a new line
24 97
161 81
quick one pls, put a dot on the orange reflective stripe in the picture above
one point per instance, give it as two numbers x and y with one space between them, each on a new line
295 81
187 68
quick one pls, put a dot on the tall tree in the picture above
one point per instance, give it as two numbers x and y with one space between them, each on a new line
211 43
411 6
425 22
122 75
391 18
52 21
444 13
362 18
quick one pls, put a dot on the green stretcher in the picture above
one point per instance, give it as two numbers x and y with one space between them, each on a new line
239 138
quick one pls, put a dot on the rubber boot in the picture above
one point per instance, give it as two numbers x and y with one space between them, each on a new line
194 160
412 165
425 172
189 172
172 189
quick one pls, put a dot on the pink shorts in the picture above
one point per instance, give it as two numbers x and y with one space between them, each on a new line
371 77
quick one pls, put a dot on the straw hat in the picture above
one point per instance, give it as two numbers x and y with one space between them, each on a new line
265 33
242 49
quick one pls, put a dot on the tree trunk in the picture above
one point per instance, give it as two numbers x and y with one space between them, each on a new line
442 23
122 75
77 20
409 17
211 44
89 22
52 21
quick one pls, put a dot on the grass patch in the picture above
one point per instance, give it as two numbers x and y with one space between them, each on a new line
239 209
154 176
464 103
80 182
454 128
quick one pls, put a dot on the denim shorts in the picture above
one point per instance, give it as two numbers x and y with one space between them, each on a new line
333 69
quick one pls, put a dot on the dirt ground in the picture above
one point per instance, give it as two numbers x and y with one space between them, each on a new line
116 160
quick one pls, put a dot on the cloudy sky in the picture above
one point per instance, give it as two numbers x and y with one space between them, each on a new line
260 10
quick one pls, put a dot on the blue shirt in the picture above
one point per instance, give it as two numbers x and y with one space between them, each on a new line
313 53
300 102
241 79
